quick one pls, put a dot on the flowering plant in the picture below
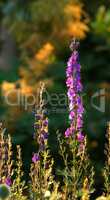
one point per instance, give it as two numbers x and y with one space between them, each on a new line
77 175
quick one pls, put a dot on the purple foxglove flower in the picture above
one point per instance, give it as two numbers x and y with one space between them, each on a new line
36 126
78 101
74 86
79 86
8 181
69 82
75 57
69 71
71 105
42 147
71 93
78 66
78 77
67 133
35 158
80 109
79 123
45 123
80 137
37 116
45 135
70 62
71 115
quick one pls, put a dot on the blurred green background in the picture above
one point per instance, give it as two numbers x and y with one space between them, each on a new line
34 47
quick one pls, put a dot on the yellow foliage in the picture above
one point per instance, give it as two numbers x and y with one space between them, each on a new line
43 54
25 89
6 86
74 10
23 72
75 26
77 29
9 91
37 65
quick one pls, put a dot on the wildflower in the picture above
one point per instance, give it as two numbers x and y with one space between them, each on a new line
71 115
75 88
69 82
41 128
71 94
80 137
37 116
8 181
42 147
79 123
45 123
69 132
35 158
36 126
44 135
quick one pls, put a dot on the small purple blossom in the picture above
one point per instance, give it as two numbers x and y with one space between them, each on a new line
35 158
69 82
72 115
45 136
37 116
8 181
71 94
69 132
80 109
80 137
79 123
45 123
42 147
36 126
